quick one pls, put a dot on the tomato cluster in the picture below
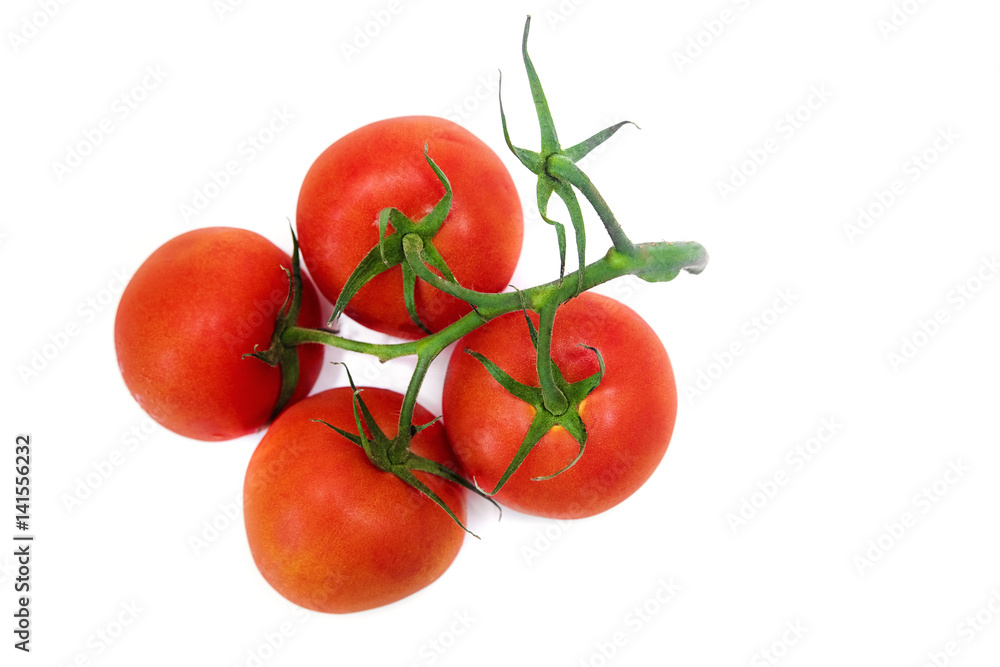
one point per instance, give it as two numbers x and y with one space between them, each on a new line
557 401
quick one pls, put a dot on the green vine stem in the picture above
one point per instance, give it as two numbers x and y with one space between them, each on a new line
552 397
654 262
563 168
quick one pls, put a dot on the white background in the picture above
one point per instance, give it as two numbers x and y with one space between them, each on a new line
818 554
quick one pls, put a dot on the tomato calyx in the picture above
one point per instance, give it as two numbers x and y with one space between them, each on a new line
393 455
279 354
558 173
388 252
544 420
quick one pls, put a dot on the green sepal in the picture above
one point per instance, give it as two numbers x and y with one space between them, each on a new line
566 193
384 216
379 259
575 392
526 393
547 128
289 365
436 217
576 428
414 429
278 354
431 466
543 193
541 424
410 296
388 252
543 420
580 150
530 159
379 447
581 389
353 437
411 479
374 446
532 330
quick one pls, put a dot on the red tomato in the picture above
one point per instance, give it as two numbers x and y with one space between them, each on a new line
629 416
382 165
329 530
190 312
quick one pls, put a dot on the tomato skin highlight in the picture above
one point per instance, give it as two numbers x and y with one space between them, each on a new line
381 165
629 416
330 531
194 307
